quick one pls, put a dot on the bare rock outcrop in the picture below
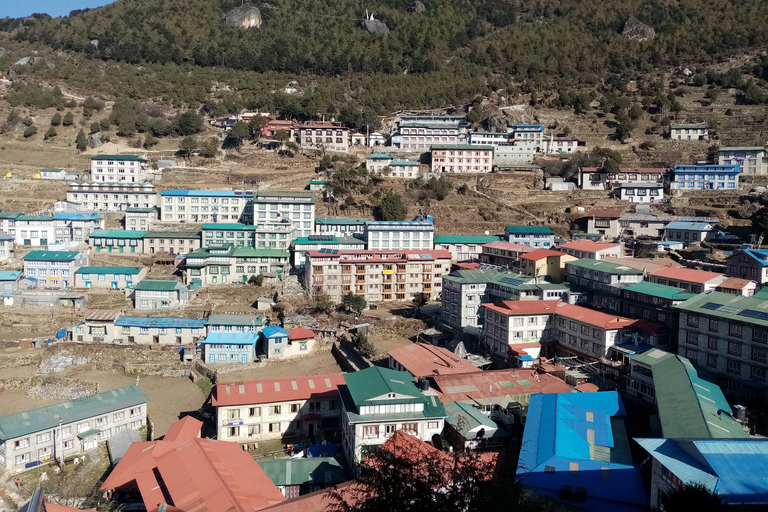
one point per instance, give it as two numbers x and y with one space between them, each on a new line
375 26
416 6
245 16
636 30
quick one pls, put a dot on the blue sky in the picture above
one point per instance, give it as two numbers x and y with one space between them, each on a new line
17 9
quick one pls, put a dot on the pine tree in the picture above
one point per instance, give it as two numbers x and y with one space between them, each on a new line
50 133
81 142
56 119
69 119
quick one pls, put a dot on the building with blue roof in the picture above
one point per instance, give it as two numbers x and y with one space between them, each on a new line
706 177
734 469
689 232
229 347
274 341
576 451
749 264
9 281
159 331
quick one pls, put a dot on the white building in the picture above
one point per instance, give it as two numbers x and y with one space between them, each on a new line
640 192
698 131
199 206
490 138
323 137
406 169
375 162
752 160
33 230
139 219
400 235
296 208
530 135
119 168
112 197
513 154
54 269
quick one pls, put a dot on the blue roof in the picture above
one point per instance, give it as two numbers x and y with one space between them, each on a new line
398 163
231 338
691 226
537 127
274 331
380 156
717 464
9 275
759 255
579 440
135 321
207 193
709 168
76 216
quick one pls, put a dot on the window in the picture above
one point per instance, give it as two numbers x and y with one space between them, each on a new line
23 458
371 431
712 360
692 338
82 427
712 343
693 321
294 407
713 325
136 411
233 414
734 366
758 354
433 424
760 335
21 443
734 348
274 409
692 354
410 427
44 437
757 373
735 330
254 411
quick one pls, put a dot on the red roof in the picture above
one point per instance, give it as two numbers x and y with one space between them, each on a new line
689 275
509 246
475 386
364 256
422 360
587 387
540 254
543 307
604 213
277 390
52 507
735 283
300 333
587 245
317 501
196 475
524 307
186 428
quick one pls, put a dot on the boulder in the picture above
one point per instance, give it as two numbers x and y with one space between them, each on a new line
375 27
245 16
636 30
416 7
94 140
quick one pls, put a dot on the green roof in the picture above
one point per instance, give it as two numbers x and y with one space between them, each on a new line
133 209
228 227
604 266
34 217
50 170
109 270
524 230
688 399
43 418
371 386
158 285
51 255
660 290
305 240
487 276
314 470
466 239
319 182
726 305
341 221
462 147
116 233
172 234
398 163
743 148
132 158
250 252
464 417
9 215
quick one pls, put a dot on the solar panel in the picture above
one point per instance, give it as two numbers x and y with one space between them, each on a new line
511 281
333 251
426 256
711 305
751 313
321 238
727 309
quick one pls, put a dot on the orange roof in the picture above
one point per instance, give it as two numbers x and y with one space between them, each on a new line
197 475
422 360
300 333
277 390
587 245
317 501
587 387
735 283
604 213
687 274
540 254
475 386
52 507
592 317
524 307
186 428
509 246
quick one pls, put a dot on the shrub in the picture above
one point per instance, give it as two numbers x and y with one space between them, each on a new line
30 131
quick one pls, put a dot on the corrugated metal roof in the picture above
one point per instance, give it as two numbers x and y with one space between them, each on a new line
9 275
109 270
225 319
116 233
659 290
208 193
102 315
689 226
166 322
133 158
274 331
231 338
42 418
277 390
368 385
465 239
524 230
51 255
687 274
158 285
316 470
228 227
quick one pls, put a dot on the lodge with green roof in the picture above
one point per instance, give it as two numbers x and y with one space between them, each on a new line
68 429
53 269
226 264
539 237
159 294
340 226
688 401
653 302
117 240
111 278
241 235
377 402
301 245
602 276
119 168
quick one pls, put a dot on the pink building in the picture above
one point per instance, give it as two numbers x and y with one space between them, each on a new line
461 158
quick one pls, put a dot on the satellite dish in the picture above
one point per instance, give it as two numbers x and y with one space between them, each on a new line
487 232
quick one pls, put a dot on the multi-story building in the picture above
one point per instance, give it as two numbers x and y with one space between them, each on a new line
200 206
116 240
449 158
689 232
640 192
544 263
6 248
514 330
728 335
159 294
226 264
323 137
173 242
698 131
119 168
406 169
108 278
159 330
258 410
54 269
490 138
303 244
400 235
75 227
33 230
614 223
530 135
652 302
691 280
67 429
463 248
594 250
112 197
706 177
338 226
749 264
504 254
375 162
377 275
752 160
277 343
229 347
225 323
604 278
239 235
139 219
377 402
513 154
421 132
277 235
538 237
561 146
298 208
98 326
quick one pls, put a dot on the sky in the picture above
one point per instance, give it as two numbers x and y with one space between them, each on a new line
18 9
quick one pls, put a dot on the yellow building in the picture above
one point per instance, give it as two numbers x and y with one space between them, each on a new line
545 263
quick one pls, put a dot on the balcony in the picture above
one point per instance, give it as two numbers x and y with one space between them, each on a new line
401 279
426 279
360 280
346 270
318 271
360 270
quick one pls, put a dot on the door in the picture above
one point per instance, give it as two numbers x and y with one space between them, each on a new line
113 285
310 429
89 443
121 248
88 284
245 358
155 339
154 304
133 249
